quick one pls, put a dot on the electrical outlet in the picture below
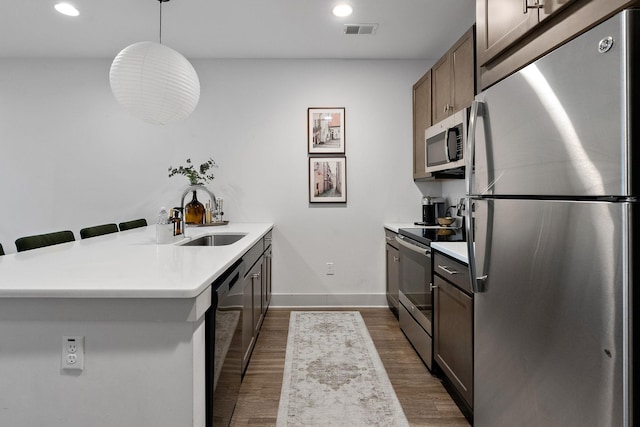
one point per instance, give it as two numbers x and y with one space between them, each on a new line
72 353
330 270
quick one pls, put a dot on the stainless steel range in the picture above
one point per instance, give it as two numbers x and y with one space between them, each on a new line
416 290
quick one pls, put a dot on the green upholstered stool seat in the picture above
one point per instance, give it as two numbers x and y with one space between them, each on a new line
128 225
42 240
98 230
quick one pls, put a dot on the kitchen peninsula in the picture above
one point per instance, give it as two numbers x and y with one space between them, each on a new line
140 308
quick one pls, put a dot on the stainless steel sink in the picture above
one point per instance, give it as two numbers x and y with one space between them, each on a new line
214 240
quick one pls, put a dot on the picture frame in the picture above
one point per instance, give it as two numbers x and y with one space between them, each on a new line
328 179
326 130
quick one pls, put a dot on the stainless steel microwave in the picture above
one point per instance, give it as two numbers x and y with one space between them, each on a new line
444 144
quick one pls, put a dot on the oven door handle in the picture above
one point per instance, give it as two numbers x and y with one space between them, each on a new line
414 248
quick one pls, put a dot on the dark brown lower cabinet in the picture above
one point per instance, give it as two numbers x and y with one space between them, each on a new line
256 286
453 331
251 319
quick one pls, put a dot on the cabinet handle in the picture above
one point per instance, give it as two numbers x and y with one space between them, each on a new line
396 258
432 286
526 7
255 276
443 267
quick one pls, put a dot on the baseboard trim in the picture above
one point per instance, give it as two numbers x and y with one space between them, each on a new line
328 300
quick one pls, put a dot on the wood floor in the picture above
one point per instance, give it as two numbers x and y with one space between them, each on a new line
422 396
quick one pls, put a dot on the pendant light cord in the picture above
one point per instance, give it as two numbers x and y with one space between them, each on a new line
161 1
160 21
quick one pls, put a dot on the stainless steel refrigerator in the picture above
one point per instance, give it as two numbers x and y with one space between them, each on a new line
552 217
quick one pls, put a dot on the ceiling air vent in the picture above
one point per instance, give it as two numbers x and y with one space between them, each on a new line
360 29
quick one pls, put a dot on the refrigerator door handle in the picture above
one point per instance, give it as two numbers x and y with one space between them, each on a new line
476 109
477 282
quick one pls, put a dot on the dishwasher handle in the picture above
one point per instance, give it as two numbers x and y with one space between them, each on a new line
223 285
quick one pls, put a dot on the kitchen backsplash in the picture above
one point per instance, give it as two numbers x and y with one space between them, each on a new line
452 190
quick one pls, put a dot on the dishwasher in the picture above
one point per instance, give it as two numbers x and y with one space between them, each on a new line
223 350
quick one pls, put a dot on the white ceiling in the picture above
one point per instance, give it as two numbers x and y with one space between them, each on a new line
408 29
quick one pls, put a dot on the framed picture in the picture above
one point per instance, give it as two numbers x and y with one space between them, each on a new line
326 130
328 179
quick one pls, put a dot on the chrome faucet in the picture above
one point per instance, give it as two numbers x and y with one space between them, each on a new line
214 201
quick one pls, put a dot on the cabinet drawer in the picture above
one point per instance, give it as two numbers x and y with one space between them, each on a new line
452 270
417 336
252 255
266 240
390 238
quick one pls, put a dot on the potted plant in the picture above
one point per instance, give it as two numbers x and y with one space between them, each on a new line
194 211
198 176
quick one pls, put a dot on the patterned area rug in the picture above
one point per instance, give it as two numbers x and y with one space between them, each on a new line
333 375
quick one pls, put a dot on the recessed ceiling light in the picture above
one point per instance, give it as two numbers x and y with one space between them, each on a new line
67 9
342 10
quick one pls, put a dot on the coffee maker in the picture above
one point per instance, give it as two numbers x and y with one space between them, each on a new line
432 208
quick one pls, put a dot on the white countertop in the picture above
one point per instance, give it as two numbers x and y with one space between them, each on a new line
127 264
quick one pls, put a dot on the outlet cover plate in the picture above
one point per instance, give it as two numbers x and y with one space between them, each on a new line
72 353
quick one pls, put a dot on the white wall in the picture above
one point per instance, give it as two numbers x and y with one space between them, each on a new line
72 157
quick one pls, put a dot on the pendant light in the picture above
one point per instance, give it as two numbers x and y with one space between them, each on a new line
154 82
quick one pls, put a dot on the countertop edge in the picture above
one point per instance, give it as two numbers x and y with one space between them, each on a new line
457 250
395 226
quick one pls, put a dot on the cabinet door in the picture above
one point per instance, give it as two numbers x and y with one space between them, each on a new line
453 336
463 79
441 89
550 7
500 23
421 121
393 274
248 337
257 279
571 17
266 281
252 310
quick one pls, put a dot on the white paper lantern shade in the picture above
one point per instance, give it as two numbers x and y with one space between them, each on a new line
154 83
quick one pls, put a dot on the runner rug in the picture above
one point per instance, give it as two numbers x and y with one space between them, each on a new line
333 375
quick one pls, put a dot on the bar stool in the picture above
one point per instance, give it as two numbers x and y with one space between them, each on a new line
98 230
42 240
136 223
